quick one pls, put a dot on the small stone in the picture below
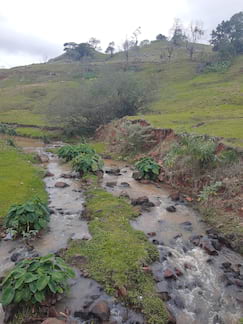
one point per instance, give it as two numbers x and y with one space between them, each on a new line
101 310
14 257
48 174
151 234
122 291
174 196
137 175
125 184
171 209
169 274
111 184
61 184
124 194
140 201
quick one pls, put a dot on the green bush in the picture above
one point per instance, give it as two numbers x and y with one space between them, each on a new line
85 163
34 280
199 151
229 157
148 168
5 129
27 219
69 152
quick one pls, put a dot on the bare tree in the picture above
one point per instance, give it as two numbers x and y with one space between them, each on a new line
195 33
178 36
95 43
127 45
135 35
170 49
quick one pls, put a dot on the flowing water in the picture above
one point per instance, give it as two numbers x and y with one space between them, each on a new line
200 294
197 295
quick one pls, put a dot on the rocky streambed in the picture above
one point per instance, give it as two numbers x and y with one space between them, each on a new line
198 276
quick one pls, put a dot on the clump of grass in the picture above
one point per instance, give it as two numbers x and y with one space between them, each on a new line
19 179
117 253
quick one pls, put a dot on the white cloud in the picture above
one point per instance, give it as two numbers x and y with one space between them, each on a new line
30 30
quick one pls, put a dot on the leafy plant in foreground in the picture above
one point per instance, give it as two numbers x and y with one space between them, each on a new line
69 152
34 280
84 163
148 168
27 219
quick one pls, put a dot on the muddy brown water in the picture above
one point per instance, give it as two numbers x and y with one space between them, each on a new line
199 296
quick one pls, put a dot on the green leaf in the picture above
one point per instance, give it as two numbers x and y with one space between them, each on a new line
33 287
8 295
29 277
39 296
53 287
18 296
42 282
19 282
57 276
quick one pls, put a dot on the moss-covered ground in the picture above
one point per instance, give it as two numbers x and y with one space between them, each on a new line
117 254
20 180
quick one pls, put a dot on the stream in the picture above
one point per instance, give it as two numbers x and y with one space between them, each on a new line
199 285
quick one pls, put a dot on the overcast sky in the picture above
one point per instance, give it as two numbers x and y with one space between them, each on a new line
32 31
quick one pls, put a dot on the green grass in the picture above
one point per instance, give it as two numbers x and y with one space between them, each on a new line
19 179
117 253
24 117
36 132
214 99
100 147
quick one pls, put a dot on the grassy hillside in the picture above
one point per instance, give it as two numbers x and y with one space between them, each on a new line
206 103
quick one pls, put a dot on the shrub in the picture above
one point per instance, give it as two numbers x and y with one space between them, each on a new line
210 190
69 152
228 157
148 168
90 162
199 150
134 138
27 219
5 129
34 280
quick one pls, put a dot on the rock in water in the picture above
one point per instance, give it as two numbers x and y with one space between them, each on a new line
171 209
52 320
101 310
61 184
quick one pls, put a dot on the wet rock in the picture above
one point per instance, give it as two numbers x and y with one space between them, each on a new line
169 274
171 317
189 266
226 265
155 242
238 283
171 209
124 194
125 185
67 175
151 234
115 172
174 196
178 272
239 296
179 302
207 245
195 239
52 320
111 184
61 184
101 310
15 256
216 244
187 226
162 286
140 201
48 174
52 211
137 175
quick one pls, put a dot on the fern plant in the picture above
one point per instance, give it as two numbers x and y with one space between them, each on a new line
34 280
85 163
148 168
210 190
27 219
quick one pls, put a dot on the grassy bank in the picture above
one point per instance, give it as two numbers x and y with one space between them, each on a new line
19 179
117 254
